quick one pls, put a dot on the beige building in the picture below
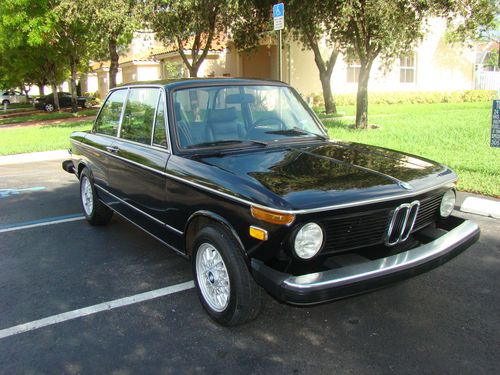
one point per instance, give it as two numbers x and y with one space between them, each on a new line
434 65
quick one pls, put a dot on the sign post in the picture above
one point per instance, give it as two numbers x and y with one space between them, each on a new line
495 124
279 24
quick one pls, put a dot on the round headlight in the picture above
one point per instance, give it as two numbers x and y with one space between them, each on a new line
447 203
308 241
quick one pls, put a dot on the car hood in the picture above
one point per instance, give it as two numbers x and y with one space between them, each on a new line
332 173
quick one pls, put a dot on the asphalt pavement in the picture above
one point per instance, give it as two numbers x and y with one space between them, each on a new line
54 265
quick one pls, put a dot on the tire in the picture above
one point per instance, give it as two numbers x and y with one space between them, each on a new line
49 107
96 212
6 102
219 268
87 104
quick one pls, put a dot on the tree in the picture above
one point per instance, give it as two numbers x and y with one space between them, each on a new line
386 29
305 22
372 29
115 22
190 24
74 27
27 54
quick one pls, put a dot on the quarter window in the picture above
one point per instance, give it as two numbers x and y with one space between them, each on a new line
109 118
160 136
139 115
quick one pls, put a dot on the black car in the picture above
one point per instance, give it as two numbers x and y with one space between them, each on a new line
240 177
47 102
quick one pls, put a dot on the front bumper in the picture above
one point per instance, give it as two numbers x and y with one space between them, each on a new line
373 274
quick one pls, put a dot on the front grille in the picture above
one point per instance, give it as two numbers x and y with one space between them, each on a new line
368 229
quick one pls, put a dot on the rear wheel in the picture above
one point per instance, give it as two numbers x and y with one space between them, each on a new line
49 107
6 102
96 212
225 286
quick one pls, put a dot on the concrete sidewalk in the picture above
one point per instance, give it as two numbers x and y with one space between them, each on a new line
34 157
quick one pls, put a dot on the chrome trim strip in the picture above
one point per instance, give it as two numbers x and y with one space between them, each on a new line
448 183
122 114
141 211
365 271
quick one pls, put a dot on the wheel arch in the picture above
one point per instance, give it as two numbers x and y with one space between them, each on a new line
203 217
81 166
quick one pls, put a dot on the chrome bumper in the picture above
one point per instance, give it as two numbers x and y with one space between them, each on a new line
342 282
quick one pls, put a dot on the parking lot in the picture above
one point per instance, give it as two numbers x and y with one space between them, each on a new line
52 262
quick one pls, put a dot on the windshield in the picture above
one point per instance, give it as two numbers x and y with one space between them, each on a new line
218 116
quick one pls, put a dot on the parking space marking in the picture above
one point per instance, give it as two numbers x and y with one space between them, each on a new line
5 193
40 223
105 306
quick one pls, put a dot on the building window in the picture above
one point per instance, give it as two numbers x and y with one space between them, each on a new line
353 72
407 66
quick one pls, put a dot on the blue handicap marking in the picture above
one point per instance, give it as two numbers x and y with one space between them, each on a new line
4 193
278 10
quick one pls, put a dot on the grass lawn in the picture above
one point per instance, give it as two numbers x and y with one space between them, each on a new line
455 134
48 116
38 138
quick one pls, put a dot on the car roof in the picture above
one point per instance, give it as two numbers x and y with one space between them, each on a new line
186 82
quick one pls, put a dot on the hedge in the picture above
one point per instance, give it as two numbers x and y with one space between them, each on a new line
409 97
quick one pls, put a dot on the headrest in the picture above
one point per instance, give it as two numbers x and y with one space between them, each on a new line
240 99
222 115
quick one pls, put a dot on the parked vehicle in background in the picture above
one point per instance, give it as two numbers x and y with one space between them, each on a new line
47 102
241 177
11 97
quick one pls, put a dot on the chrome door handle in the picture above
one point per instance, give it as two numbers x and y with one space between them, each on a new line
112 149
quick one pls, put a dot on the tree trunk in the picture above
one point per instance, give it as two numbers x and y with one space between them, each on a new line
362 97
193 70
73 67
113 56
330 106
56 97
41 89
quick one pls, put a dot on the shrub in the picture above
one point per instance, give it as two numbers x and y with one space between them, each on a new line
408 97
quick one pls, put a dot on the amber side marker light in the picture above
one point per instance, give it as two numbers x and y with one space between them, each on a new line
273 217
259 233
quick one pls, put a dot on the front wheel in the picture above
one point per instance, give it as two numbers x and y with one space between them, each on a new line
49 107
96 212
225 286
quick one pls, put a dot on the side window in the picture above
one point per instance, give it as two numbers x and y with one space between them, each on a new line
160 136
139 115
109 118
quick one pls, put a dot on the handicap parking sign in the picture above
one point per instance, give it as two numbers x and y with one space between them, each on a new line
278 10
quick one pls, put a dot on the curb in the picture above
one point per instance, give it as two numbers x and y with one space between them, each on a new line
481 206
34 157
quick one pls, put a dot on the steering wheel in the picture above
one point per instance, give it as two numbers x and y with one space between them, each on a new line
269 121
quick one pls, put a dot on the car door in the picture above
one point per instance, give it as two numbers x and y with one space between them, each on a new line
64 99
137 172
102 138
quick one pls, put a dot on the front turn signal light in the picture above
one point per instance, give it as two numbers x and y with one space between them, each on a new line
259 233
273 217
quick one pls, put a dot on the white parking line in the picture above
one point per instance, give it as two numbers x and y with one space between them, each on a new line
41 223
59 318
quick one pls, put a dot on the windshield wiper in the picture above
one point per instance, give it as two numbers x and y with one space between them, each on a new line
296 131
228 142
